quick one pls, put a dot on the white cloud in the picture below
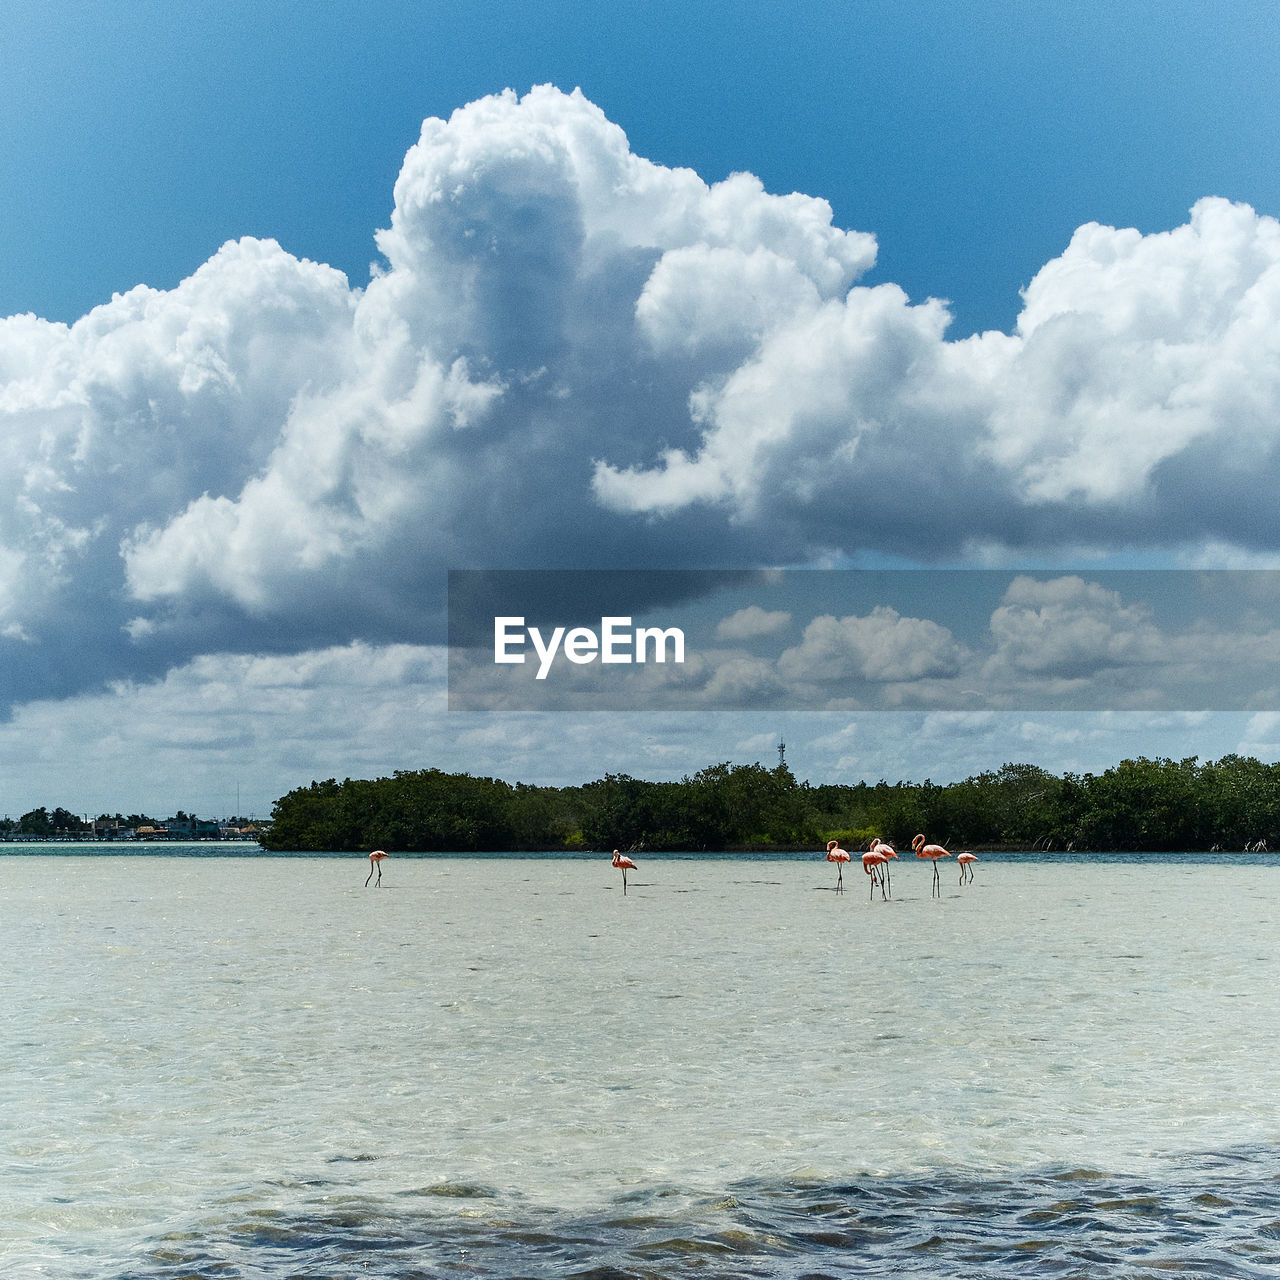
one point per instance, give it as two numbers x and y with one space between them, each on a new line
1134 349
574 356
265 456
789 434
740 681
1143 372
881 647
1069 627
1069 639
221 723
752 622
702 300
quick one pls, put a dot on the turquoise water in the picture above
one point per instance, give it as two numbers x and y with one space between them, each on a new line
253 1066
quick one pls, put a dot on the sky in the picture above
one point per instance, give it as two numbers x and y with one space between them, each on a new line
308 305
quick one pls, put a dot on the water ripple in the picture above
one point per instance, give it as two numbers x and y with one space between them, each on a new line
1213 1216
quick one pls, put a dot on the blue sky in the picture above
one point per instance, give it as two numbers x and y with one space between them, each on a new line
231 493
971 139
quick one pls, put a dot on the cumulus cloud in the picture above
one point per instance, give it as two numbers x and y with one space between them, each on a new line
881 647
1081 640
571 356
227 726
752 622
1069 627
1135 402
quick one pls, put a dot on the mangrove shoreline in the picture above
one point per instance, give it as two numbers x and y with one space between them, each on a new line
1142 805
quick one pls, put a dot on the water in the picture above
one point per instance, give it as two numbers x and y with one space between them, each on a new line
255 1067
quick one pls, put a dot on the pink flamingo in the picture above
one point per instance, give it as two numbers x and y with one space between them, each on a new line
375 860
966 861
839 856
624 864
873 863
934 852
879 846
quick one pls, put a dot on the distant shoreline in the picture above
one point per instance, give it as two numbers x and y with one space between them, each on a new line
241 846
149 840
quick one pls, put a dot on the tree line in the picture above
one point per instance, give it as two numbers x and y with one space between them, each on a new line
62 822
1140 804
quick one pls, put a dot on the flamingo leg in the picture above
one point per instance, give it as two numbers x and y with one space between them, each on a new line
937 881
368 878
839 878
887 881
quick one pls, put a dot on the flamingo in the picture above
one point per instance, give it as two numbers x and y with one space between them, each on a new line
966 861
879 846
839 856
933 851
375 860
873 864
624 864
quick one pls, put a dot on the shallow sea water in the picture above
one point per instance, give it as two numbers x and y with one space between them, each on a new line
504 1067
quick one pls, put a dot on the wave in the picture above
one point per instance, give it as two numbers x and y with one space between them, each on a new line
1209 1215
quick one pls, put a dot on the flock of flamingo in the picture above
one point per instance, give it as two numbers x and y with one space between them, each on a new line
875 862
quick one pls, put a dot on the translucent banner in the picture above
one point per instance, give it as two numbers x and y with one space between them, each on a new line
796 639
